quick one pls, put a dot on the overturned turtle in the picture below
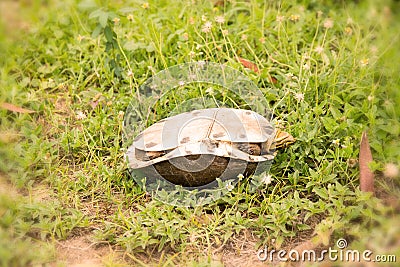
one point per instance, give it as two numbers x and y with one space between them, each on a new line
192 149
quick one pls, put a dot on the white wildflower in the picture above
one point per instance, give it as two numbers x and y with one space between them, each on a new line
210 91
299 96
80 38
328 23
364 62
336 142
266 179
280 18
116 21
319 49
80 115
229 186
207 27
219 19
130 17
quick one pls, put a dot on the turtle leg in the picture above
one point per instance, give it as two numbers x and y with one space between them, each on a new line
249 148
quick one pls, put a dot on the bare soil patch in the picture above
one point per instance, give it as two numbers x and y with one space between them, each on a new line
80 251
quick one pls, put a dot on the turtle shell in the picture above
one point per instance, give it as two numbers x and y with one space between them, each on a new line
195 148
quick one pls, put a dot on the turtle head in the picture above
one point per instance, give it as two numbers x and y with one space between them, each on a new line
282 139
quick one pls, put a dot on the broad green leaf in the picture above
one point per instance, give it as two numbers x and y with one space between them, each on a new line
109 34
103 18
96 13
329 124
97 31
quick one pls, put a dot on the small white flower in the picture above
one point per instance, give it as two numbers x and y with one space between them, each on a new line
219 19
306 66
244 37
289 76
364 62
280 18
207 27
240 176
336 142
266 179
181 83
370 98
192 54
80 115
116 21
229 186
129 73
203 18
319 49
210 91
225 32
299 96
328 23
80 38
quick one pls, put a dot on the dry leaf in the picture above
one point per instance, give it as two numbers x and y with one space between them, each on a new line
14 108
273 80
365 157
219 3
248 64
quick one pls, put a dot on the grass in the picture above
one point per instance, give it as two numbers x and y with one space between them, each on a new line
78 68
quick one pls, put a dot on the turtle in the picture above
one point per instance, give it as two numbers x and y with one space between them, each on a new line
193 149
